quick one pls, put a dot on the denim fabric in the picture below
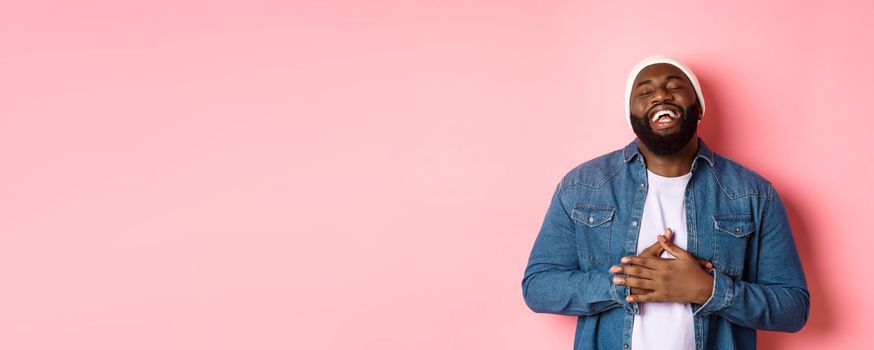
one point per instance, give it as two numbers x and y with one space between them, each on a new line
735 219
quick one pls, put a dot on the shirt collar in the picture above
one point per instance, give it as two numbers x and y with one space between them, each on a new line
704 152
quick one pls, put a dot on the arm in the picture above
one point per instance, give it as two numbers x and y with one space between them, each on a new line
553 282
778 299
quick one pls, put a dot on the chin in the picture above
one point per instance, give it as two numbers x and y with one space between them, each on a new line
666 142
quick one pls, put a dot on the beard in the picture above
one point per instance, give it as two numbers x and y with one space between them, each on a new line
670 144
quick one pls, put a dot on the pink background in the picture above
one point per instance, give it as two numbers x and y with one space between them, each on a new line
372 175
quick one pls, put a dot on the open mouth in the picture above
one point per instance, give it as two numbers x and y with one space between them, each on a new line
664 116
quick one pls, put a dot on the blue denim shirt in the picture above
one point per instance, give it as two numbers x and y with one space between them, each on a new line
735 219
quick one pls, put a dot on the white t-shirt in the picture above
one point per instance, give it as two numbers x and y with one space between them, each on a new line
663 325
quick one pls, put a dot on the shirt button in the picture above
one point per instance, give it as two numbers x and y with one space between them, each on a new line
642 185
591 220
625 346
736 229
634 223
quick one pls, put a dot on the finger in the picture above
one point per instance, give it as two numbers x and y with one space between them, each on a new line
637 282
644 261
640 291
705 264
676 251
632 270
654 250
639 298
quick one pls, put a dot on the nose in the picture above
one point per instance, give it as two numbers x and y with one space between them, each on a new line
661 95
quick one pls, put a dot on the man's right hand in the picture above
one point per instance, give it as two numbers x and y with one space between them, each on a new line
655 251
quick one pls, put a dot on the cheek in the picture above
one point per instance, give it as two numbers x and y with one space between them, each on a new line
688 99
638 108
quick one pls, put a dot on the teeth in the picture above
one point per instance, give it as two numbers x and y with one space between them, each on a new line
665 112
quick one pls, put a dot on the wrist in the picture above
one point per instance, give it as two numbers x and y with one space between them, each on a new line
705 291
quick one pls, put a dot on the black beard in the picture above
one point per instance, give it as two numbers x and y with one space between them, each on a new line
666 145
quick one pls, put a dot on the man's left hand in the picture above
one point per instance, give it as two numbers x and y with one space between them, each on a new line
680 280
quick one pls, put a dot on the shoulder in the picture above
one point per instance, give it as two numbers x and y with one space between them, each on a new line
736 180
595 172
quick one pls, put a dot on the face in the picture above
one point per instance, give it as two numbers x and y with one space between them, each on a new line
664 109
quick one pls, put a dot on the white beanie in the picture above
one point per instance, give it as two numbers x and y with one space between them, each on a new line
656 60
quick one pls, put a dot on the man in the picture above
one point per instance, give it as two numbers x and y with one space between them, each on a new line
665 244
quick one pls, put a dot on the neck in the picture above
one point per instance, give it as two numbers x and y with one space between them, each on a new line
677 164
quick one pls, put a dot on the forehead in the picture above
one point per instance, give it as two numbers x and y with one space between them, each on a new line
659 72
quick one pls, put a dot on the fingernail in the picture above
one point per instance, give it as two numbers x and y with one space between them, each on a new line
629 299
615 269
661 238
625 259
617 280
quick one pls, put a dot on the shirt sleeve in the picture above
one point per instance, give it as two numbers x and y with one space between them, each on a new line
778 298
553 282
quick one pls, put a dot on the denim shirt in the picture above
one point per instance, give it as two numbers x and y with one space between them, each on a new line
734 218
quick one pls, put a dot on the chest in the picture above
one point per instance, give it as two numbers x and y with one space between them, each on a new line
610 223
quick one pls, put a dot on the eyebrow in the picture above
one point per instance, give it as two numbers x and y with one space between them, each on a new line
650 81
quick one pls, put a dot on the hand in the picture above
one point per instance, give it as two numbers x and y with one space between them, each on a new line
679 280
655 251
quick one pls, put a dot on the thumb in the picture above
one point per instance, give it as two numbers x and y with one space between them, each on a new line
669 234
654 250
673 249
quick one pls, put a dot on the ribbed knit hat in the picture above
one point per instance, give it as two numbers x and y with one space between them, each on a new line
656 60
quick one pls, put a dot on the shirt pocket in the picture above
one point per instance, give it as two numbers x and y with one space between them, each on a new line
731 240
593 228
